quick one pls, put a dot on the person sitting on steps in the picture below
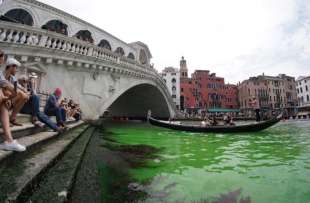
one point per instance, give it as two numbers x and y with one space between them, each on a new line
18 93
5 97
53 108
32 107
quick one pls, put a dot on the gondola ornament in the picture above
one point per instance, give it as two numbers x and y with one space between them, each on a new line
149 114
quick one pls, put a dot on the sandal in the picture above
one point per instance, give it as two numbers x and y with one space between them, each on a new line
14 122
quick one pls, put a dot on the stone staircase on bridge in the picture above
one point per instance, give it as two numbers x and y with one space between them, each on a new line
49 157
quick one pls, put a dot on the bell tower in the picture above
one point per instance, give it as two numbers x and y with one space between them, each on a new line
183 68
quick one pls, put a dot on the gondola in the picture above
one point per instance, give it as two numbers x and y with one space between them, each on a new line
253 127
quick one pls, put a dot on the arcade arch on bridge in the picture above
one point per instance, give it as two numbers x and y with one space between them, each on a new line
18 15
131 56
142 57
105 44
85 35
120 51
56 26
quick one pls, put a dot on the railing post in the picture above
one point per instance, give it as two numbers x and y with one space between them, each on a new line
90 51
3 35
43 40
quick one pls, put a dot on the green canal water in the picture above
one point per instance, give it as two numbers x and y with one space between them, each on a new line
271 166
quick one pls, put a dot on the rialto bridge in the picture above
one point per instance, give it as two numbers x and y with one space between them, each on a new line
93 67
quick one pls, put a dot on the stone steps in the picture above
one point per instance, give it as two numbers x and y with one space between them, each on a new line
21 171
64 171
26 138
27 128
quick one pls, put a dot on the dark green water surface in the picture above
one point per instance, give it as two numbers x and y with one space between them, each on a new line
271 166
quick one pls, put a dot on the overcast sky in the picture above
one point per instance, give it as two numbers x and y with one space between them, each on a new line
235 39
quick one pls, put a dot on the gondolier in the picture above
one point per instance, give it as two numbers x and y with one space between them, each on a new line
255 105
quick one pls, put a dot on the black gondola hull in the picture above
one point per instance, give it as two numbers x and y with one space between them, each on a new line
217 129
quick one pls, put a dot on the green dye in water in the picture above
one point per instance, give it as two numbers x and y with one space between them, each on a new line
268 166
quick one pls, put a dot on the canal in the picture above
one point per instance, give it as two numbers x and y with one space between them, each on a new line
160 165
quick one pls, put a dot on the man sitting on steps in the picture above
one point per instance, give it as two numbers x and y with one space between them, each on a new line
53 108
20 95
5 96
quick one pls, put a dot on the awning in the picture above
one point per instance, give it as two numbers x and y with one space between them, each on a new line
304 113
222 110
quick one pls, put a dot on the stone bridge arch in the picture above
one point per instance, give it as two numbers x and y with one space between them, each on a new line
136 99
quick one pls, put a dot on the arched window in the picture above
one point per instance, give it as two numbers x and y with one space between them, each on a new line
84 35
142 57
120 51
174 88
56 26
173 80
18 16
131 56
104 44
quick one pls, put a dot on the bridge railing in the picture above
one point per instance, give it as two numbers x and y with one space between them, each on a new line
39 38
26 35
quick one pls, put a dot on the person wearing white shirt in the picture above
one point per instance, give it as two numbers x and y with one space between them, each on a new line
9 143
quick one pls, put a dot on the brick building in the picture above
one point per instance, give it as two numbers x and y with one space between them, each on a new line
204 90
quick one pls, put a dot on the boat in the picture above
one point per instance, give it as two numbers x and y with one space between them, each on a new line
252 127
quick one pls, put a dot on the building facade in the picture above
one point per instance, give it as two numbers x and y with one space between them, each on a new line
272 92
303 92
204 90
171 77
231 93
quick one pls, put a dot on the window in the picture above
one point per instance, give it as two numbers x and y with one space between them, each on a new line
297 91
181 89
174 88
174 96
300 90
173 80
306 88
308 99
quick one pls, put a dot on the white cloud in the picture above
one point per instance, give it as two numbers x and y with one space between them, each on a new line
236 39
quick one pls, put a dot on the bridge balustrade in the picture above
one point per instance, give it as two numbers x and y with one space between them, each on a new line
36 37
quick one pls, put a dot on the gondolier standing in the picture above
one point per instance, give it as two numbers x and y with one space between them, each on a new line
255 105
